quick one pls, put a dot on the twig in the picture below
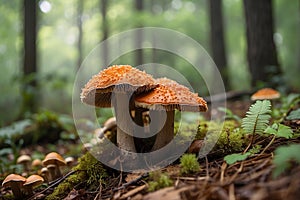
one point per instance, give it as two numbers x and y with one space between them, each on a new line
53 184
131 182
231 192
223 167
270 143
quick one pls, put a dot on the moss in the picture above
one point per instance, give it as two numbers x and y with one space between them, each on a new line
88 170
231 138
67 185
93 168
189 164
158 180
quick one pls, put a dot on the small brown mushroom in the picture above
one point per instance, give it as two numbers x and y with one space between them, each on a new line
25 161
109 125
86 147
36 164
45 174
15 182
69 161
54 158
32 181
265 94
167 97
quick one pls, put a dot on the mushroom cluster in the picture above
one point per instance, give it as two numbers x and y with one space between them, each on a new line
132 93
22 186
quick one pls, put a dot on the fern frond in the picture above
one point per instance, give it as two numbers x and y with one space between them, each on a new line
257 118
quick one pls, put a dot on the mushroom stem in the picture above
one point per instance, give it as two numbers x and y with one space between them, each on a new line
16 189
28 190
166 134
124 122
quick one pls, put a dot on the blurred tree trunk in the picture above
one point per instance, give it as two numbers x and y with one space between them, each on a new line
262 55
139 6
217 38
29 87
104 32
80 32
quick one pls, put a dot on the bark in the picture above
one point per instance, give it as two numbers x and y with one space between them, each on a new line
217 38
80 32
139 6
105 52
30 56
261 52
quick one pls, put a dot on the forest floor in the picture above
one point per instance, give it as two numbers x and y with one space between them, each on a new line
251 178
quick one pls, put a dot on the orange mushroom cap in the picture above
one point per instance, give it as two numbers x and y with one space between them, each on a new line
171 95
265 93
54 158
13 178
120 78
34 180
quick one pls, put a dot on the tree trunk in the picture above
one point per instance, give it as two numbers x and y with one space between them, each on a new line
29 88
217 38
139 35
80 32
105 53
261 54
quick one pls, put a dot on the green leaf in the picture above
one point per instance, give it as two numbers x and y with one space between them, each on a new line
233 158
284 131
283 156
280 130
257 118
295 114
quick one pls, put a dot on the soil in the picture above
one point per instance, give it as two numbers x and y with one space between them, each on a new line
248 179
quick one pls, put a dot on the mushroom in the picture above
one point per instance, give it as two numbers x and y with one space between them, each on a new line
52 172
32 181
45 174
36 163
69 161
165 98
265 93
109 125
117 85
25 161
15 182
57 160
86 147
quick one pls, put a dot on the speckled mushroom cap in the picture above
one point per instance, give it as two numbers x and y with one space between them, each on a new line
13 178
118 78
265 93
34 180
54 158
171 95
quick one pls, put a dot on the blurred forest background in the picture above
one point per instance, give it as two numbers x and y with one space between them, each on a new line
44 42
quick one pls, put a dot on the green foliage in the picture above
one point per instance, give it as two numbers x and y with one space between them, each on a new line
257 118
158 181
227 137
229 114
189 164
88 170
284 155
94 168
295 114
287 104
235 157
67 185
280 130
